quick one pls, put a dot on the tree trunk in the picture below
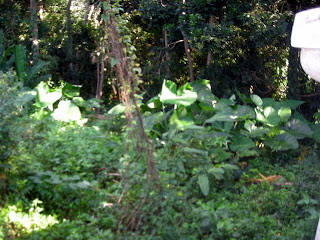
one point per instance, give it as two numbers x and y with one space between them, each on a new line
188 52
293 74
86 15
209 55
35 36
190 62
167 56
69 32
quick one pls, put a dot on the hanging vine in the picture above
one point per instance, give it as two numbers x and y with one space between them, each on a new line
139 147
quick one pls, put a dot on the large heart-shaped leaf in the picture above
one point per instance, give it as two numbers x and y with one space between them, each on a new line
183 96
253 130
271 116
66 111
241 143
70 90
298 129
46 96
284 141
203 90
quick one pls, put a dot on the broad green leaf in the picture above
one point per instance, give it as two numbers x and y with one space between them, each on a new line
268 102
206 106
168 92
221 106
179 120
183 96
298 129
244 112
241 143
253 130
20 62
284 113
66 111
271 116
292 104
225 126
282 142
203 90
70 90
79 101
118 109
217 172
46 96
228 114
203 182
256 100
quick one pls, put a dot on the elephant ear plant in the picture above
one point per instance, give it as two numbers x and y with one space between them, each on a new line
63 103
221 131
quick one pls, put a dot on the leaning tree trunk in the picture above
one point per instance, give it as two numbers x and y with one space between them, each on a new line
35 35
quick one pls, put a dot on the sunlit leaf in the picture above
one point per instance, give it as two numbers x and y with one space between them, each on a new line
256 100
183 96
66 111
45 96
271 116
284 113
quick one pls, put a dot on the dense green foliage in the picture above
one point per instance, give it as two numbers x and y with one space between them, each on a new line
236 154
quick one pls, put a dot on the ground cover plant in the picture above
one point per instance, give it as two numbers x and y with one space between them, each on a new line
183 161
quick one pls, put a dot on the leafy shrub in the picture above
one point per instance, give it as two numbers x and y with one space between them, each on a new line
63 163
